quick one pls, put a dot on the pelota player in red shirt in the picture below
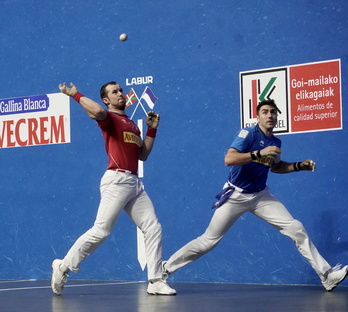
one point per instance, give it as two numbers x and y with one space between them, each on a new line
120 187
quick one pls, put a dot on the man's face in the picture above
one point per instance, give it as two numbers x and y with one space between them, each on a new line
115 97
267 117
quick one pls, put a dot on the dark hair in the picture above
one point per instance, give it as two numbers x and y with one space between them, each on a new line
103 93
266 102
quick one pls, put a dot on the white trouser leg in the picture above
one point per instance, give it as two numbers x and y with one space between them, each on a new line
274 212
117 189
223 218
142 212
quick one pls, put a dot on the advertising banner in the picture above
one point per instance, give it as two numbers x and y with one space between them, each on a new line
35 120
308 96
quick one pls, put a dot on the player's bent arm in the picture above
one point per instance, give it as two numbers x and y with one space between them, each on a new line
93 109
285 167
152 121
236 158
282 167
146 148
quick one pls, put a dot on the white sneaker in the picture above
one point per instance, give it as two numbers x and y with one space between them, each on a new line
160 287
335 276
59 278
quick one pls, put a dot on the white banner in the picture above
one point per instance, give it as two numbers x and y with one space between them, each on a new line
35 120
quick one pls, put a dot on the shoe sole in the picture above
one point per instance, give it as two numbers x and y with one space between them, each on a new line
158 294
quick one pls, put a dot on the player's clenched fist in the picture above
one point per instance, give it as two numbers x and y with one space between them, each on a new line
66 90
152 119
308 164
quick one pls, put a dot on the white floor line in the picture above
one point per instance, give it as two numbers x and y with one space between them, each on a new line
17 281
67 286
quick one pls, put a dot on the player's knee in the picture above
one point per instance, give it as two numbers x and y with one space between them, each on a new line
154 228
99 233
295 230
207 243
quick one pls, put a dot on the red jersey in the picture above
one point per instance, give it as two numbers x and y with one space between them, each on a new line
122 142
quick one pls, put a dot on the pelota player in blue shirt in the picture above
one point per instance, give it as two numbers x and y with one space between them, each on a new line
254 152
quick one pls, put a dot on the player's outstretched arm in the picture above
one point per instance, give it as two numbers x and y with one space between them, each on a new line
93 109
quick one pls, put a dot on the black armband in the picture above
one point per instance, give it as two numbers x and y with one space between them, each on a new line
253 156
297 166
258 154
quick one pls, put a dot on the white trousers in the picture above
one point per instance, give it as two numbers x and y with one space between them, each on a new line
262 205
121 191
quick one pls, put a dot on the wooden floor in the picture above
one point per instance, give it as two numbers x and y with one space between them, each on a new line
104 296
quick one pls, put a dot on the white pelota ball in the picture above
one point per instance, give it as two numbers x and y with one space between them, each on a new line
123 37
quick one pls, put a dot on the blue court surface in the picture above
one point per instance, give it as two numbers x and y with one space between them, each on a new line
100 296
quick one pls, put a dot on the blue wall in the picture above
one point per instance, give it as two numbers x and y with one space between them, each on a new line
195 51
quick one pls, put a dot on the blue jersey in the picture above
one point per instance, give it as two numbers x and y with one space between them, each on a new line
252 177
